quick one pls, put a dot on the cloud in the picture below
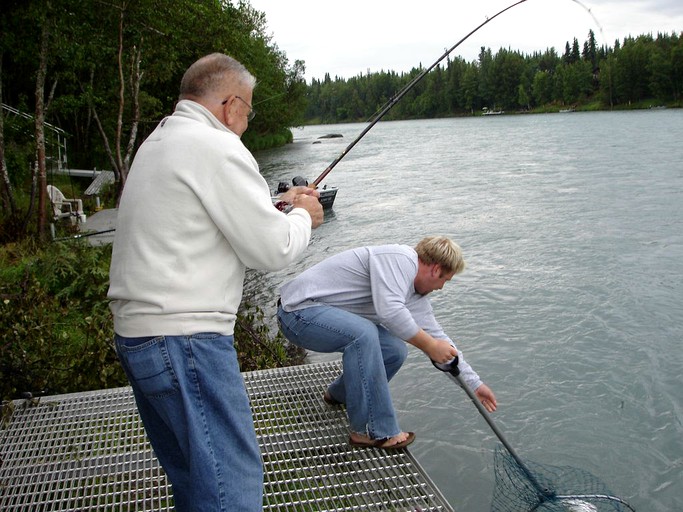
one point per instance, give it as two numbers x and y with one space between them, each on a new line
351 37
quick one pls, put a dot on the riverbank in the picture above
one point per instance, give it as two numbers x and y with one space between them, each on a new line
592 106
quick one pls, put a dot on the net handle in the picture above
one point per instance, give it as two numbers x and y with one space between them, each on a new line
451 369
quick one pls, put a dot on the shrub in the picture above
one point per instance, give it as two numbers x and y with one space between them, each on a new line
56 330
55 325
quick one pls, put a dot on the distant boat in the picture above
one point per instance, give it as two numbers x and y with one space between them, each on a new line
488 112
567 110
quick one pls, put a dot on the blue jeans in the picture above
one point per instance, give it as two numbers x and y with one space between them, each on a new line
371 356
195 409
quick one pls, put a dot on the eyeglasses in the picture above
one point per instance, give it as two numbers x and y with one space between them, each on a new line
252 113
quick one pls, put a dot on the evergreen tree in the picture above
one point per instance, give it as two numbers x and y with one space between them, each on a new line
590 50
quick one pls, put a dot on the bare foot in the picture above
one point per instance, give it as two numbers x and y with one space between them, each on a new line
400 438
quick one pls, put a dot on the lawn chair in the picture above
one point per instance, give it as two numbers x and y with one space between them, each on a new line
65 208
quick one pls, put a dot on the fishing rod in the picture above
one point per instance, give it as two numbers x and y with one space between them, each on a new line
403 92
83 235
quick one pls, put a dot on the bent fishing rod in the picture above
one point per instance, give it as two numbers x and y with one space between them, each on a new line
397 97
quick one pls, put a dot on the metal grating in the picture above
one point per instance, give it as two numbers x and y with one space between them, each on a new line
88 452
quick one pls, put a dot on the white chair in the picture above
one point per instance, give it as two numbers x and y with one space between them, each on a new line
65 208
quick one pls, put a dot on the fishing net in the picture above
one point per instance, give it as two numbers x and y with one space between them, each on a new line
524 486
546 488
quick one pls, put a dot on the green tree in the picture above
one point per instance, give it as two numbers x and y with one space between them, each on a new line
108 71
571 54
631 77
523 97
433 100
677 67
576 82
36 58
542 87
470 89
661 73
486 77
506 73
607 80
590 53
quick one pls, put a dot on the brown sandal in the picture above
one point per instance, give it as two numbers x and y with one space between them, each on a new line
379 443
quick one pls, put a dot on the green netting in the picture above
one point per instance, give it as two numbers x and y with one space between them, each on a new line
545 488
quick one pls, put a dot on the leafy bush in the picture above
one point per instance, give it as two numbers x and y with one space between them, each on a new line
56 330
256 347
55 325
255 141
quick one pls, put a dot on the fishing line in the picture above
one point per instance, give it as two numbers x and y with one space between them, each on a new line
390 104
597 23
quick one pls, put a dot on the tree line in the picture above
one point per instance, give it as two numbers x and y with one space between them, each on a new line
96 76
643 70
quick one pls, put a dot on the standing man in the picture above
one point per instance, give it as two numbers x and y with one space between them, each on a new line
195 212
366 303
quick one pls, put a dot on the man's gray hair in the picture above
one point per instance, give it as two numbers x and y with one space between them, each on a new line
212 73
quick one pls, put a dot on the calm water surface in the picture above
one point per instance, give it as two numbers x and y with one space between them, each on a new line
571 308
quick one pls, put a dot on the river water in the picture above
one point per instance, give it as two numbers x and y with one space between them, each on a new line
571 308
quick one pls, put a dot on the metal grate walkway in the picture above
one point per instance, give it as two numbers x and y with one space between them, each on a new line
88 452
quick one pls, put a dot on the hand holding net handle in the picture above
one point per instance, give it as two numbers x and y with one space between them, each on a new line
451 368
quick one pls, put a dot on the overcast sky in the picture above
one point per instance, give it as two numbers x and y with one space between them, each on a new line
349 37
